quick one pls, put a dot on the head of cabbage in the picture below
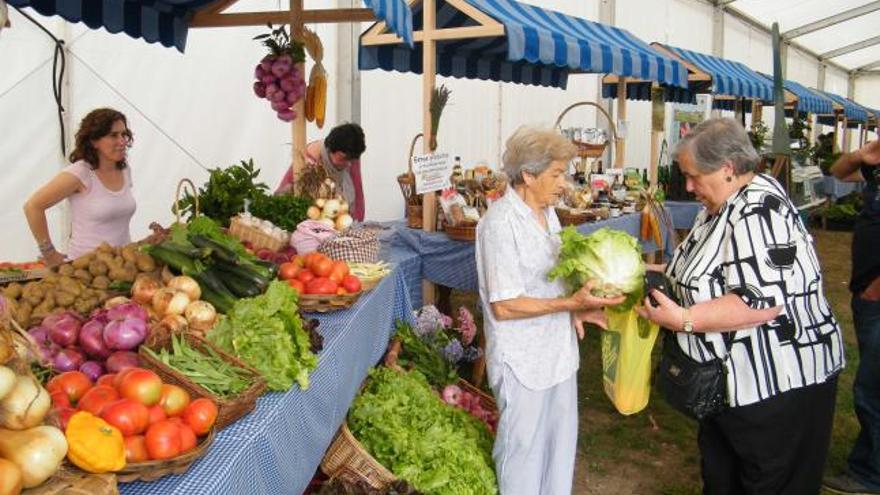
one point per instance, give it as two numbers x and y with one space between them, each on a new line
611 257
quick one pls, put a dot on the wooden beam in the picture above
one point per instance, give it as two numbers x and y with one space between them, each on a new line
298 128
317 16
218 6
440 34
620 144
429 74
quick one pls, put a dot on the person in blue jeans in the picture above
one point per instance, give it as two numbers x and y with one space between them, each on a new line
864 460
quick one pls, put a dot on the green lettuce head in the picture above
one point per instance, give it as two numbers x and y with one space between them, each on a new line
611 257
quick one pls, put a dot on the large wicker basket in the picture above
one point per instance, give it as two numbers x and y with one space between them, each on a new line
573 217
257 238
228 410
588 150
466 232
346 458
153 470
320 303
69 480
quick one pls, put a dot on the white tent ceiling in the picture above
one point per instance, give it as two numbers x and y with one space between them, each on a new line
794 14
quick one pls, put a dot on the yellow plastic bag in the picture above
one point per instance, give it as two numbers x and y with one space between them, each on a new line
626 360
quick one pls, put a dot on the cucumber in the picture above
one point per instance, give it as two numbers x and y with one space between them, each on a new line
239 286
218 251
173 258
222 303
245 273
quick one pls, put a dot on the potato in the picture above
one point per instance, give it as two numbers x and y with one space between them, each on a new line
23 316
145 262
105 248
66 269
12 291
83 275
34 298
129 253
98 267
44 308
83 261
106 258
117 273
64 299
101 282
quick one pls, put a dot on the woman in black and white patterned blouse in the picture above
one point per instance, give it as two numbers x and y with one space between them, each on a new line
751 295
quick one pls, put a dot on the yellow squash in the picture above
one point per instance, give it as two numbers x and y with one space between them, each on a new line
94 445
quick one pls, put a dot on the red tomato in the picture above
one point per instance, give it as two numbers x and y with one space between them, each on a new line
322 267
341 291
64 415
141 385
117 378
305 275
351 283
106 380
130 417
298 260
200 415
163 440
298 286
321 285
97 398
73 384
311 258
136 449
174 399
60 399
187 438
288 270
157 414
339 271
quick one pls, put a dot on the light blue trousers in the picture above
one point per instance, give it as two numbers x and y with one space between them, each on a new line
536 442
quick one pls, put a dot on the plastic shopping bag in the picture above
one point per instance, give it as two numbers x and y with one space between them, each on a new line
626 360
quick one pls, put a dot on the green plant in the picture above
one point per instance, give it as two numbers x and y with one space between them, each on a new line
224 195
279 43
284 210
758 135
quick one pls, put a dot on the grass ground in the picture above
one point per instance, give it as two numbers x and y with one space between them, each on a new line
654 452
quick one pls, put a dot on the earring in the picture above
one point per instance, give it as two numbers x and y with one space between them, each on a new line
728 178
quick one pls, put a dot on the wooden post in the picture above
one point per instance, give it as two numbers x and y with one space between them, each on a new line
811 136
658 123
620 145
757 112
429 74
298 128
835 146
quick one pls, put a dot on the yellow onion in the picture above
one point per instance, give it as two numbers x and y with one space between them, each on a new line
143 289
115 301
201 315
167 301
187 285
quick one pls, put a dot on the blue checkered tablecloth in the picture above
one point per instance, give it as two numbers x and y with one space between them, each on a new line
277 447
683 213
452 264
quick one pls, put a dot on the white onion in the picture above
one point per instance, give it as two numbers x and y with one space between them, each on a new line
201 315
187 285
143 289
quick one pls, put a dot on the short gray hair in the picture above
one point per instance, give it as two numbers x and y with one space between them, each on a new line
717 141
532 149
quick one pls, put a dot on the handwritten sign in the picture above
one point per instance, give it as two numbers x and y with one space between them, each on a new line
432 172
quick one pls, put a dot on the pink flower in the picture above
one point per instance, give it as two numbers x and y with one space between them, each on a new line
466 325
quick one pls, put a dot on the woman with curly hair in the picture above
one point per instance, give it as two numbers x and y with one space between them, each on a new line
98 186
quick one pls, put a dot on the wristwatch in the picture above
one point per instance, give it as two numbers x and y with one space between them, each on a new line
687 324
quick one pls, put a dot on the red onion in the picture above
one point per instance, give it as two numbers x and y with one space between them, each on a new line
91 338
92 369
125 334
127 310
67 360
40 335
63 328
120 360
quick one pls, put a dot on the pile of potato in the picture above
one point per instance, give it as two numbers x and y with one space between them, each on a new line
80 285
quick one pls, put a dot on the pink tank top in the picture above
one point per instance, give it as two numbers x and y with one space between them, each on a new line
98 214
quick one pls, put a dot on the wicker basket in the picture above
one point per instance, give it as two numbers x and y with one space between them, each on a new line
320 303
407 183
573 217
347 458
465 232
69 480
228 410
153 470
257 238
414 216
588 150
368 284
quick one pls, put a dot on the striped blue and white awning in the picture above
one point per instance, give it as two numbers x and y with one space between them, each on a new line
728 77
852 110
539 47
167 21
809 101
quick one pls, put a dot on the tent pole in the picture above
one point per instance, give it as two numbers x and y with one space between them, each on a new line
620 145
298 127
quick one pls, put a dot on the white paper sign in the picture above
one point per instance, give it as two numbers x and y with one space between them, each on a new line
432 172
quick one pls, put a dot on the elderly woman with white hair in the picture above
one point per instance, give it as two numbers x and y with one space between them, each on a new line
751 298
530 324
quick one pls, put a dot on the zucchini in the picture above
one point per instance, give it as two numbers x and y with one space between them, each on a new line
188 251
268 268
174 259
246 273
241 287
208 280
218 251
223 303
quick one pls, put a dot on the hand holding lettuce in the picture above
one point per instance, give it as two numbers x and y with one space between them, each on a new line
609 263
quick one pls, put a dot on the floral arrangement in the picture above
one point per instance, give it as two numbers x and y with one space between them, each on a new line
453 339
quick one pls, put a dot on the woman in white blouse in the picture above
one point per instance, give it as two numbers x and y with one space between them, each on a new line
530 324
751 296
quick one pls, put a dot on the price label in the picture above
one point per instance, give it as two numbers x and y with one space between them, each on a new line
432 172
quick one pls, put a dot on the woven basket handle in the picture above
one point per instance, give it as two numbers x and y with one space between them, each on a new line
591 104
195 193
412 149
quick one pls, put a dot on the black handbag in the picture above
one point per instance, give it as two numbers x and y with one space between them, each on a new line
697 389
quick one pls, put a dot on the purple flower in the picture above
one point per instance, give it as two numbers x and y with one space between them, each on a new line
428 320
453 352
472 353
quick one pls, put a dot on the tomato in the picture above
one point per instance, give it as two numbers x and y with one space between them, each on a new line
305 275
64 414
97 398
321 285
311 258
339 270
200 415
106 380
174 399
341 291
297 285
60 399
129 416
117 378
136 449
187 438
288 270
298 260
141 385
163 440
73 384
157 414
322 267
351 283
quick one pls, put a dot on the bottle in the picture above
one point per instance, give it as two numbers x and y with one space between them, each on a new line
645 177
599 166
456 171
